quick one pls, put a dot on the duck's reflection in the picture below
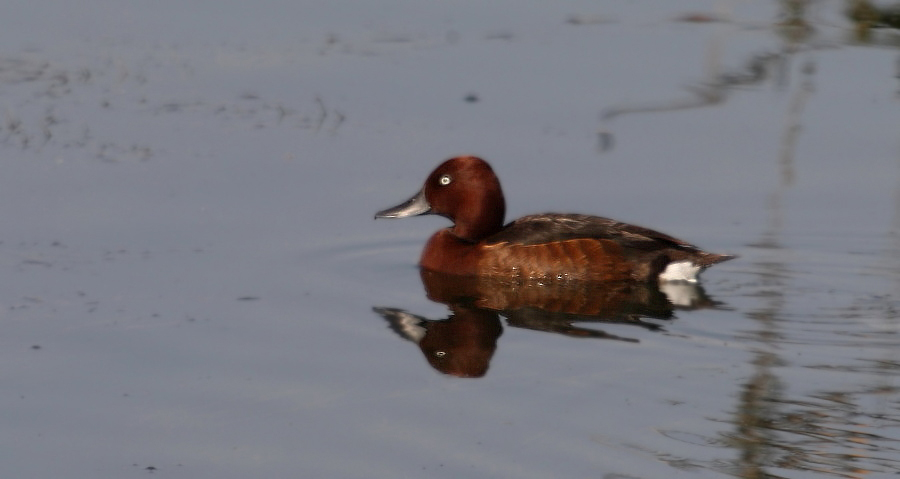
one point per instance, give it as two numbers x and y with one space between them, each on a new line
464 343
461 345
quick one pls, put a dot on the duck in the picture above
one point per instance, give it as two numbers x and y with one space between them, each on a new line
540 247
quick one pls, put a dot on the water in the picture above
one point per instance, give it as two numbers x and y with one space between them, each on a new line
192 278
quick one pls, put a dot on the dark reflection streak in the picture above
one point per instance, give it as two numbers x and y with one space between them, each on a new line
712 92
758 416
829 431
793 128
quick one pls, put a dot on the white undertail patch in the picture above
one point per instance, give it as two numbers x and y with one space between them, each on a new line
680 271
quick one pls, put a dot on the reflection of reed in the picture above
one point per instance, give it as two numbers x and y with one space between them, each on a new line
786 172
758 415
758 406
830 431
719 85
837 430
711 92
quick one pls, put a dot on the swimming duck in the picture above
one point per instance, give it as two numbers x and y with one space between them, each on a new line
542 247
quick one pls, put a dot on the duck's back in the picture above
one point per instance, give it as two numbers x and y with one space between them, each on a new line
593 248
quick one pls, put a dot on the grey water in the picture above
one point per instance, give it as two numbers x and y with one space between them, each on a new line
192 279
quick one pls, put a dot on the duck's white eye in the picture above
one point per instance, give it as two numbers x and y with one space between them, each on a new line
440 354
445 180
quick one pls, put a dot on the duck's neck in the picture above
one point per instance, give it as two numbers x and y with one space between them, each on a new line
480 219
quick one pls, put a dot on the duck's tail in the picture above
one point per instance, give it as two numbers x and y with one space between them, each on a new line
689 269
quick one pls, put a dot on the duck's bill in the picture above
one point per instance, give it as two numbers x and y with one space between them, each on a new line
417 205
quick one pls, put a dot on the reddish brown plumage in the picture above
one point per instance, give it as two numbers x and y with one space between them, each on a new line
601 300
551 247
582 259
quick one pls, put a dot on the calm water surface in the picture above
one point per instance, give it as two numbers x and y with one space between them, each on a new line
193 285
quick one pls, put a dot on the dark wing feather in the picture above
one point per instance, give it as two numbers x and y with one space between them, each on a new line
544 228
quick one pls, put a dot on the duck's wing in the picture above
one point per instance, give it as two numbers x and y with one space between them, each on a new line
549 227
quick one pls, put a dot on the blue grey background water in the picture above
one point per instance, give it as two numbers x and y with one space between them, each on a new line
189 262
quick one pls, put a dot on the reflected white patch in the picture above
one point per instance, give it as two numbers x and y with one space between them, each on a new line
680 271
410 327
682 293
